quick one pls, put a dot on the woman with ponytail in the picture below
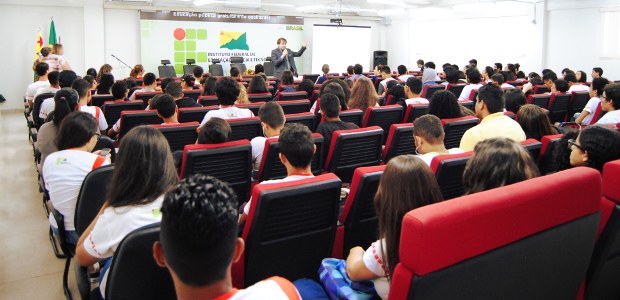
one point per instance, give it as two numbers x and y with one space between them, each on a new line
66 100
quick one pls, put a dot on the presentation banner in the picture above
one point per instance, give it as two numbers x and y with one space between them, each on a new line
203 36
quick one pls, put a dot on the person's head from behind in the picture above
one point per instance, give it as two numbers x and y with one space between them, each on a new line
548 78
444 105
595 146
175 90
413 87
430 65
105 68
570 77
198 71
144 168
82 87
45 51
165 106
296 146
53 78
520 75
287 78
66 78
136 71
188 81
386 72
350 70
610 100
208 88
92 72
427 133
473 75
119 90
497 162
334 89
325 69
57 49
271 118
534 121
198 232
582 77
397 92
105 83
149 79
78 130
452 74
597 72
227 90
489 100
214 131
330 106
363 94
407 183
561 85
65 100
358 69
257 85
498 79
514 99
402 70
165 82
487 72
307 86
597 86
259 68
234 73
41 69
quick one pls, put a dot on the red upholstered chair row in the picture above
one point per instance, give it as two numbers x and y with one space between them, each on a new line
430 89
455 128
179 135
112 109
399 141
132 118
529 240
354 148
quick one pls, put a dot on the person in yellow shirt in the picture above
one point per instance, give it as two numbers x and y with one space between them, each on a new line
490 109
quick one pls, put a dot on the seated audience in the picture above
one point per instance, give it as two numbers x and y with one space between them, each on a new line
473 79
42 81
535 122
420 64
105 84
65 79
363 95
136 72
490 110
66 101
332 87
83 89
349 71
92 72
357 72
198 233
54 84
259 69
296 151
402 73
549 79
208 88
413 89
596 72
166 109
307 86
534 79
511 163
595 146
257 85
596 91
215 131
407 183
132 85
272 121
243 95
582 77
175 90
143 172
119 92
287 81
429 76
330 111
574 84
498 80
444 105
452 75
65 170
611 104
104 69
188 81
428 138
514 99
386 74
227 91
394 94
149 85
487 73
324 76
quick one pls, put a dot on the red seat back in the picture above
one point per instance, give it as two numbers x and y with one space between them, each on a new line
354 148
399 141
179 135
455 129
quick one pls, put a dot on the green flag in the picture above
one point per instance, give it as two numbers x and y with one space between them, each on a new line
52 39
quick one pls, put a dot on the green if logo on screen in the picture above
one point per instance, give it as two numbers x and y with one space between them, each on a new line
233 40
186 44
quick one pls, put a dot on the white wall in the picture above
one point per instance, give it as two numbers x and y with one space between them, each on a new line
122 38
20 25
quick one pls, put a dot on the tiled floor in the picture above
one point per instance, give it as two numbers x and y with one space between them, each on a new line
28 267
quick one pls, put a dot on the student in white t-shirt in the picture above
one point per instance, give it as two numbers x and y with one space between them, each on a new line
199 233
272 121
574 85
149 85
65 170
596 91
473 79
65 79
296 151
144 171
610 102
41 70
402 73
428 136
413 89
83 88
227 91
406 184
386 74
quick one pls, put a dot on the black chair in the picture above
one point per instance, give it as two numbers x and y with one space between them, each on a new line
455 129
194 114
546 162
133 273
245 128
383 116
36 108
179 135
455 88
558 107
283 96
290 228
399 141
112 110
216 70
295 106
306 118
262 97
578 102
430 89
358 217
449 170
354 116
194 94
230 162
146 96
133 118
311 77
208 100
353 148
541 100
533 147
254 107
99 100
415 111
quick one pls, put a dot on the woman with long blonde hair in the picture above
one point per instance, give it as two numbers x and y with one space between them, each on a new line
363 94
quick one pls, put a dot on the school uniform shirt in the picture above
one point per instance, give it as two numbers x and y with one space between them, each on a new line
404 77
44 90
611 117
31 89
590 107
578 88
246 208
231 112
96 112
47 107
258 148
375 262
63 173
467 90
276 288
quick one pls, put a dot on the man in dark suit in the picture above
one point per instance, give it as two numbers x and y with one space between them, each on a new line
284 59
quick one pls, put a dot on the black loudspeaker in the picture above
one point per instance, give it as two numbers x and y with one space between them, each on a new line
380 57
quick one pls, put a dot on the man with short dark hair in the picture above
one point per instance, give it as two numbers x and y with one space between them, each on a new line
119 92
175 90
402 73
428 136
166 109
65 79
498 80
41 70
573 84
330 111
357 70
272 121
149 81
83 88
386 74
54 86
473 79
198 71
473 62
413 89
259 69
549 78
489 107
227 91
198 243
597 72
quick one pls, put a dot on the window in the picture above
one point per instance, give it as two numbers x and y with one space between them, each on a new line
610 19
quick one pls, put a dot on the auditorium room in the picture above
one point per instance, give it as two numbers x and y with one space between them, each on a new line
331 149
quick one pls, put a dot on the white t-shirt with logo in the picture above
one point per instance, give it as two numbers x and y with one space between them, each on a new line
231 112
97 113
63 172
